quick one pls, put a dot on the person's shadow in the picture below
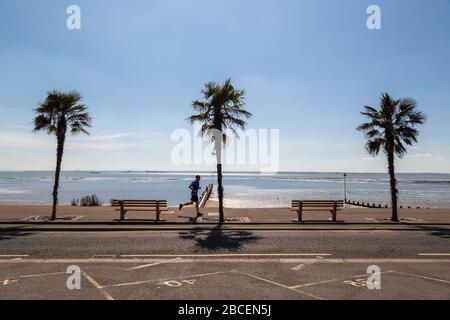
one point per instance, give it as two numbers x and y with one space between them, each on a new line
218 239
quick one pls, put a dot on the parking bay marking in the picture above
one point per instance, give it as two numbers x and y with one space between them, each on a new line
153 264
334 280
97 285
167 279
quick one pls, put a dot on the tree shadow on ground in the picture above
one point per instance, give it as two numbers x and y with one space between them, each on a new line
219 239
12 234
437 231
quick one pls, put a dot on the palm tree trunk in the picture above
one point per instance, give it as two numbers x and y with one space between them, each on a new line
394 191
59 155
220 192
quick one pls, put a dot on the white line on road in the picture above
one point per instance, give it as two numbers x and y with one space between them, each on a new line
423 277
280 285
97 285
227 255
302 265
166 279
14 255
153 264
333 280
434 254
224 260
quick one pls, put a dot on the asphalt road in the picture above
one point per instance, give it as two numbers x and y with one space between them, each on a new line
341 244
226 264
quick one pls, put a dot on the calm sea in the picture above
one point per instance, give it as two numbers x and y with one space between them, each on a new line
241 189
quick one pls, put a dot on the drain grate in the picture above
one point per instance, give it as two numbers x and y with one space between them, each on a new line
104 257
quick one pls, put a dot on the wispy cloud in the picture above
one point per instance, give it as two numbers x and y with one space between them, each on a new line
109 141
420 155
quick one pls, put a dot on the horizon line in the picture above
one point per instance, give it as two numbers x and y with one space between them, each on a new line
233 172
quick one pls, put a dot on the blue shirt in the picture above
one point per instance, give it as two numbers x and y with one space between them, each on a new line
194 186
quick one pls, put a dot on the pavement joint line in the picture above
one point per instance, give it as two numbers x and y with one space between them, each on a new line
280 285
333 280
97 285
166 279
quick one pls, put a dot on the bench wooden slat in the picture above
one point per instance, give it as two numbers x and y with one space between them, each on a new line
124 206
317 206
142 205
117 202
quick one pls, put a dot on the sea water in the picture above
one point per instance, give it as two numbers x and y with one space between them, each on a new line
242 190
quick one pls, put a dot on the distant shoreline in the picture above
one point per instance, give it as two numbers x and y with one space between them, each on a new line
225 172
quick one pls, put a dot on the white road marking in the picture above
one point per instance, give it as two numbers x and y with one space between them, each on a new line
423 277
280 285
434 254
166 279
153 264
225 260
333 280
97 285
309 261
42 275
9 281
17 278
302 265
14 255
227 255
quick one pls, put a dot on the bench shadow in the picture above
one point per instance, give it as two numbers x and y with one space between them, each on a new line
218 239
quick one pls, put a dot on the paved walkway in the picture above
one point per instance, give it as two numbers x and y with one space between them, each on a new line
20 213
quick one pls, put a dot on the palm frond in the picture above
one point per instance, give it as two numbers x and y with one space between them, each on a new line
62 111
392 126
222 108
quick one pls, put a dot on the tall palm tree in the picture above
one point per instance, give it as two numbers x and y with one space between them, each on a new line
221 109
60 112
391 128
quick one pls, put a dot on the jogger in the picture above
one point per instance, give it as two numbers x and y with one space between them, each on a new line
195 187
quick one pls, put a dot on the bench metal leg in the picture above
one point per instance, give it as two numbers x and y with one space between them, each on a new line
158 214
334 212
123 212
334 215
300 215
122 215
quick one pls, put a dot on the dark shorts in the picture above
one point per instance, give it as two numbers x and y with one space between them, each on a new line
194 198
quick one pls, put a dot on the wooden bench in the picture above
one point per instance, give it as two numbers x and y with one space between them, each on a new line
124 206
317 205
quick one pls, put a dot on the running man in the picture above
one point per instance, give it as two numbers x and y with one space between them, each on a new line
194 186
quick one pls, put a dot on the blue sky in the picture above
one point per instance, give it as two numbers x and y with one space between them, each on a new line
308 67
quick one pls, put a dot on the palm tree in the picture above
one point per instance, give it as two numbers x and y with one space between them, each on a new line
61 111
221 109
391 128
